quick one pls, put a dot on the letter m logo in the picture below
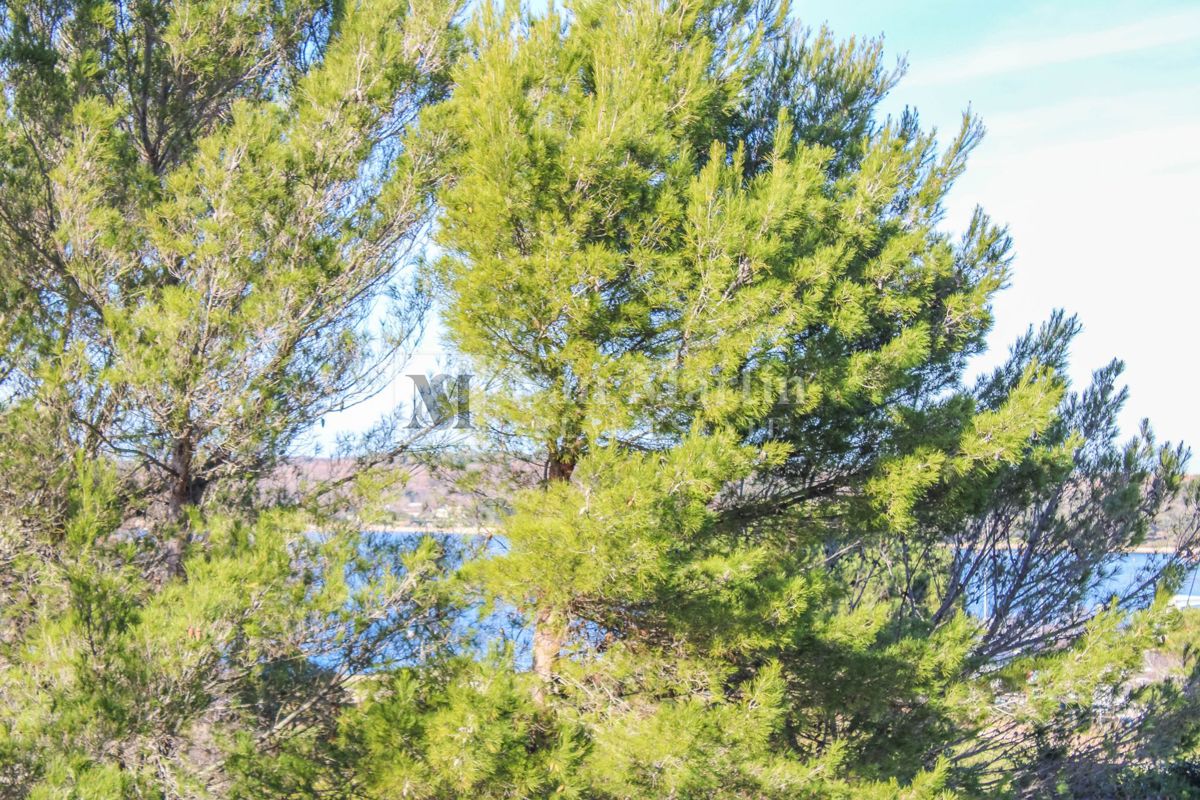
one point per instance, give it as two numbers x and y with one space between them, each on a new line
440 401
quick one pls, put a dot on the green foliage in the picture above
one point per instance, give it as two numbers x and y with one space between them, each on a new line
708 290
779 545
203 202
118 683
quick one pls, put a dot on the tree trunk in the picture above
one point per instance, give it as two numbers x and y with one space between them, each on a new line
549 626
186 491
548 638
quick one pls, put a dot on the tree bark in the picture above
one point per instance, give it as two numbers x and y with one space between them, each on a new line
549 626
186 491
548 638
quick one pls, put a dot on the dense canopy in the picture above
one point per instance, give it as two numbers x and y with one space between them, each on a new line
753 528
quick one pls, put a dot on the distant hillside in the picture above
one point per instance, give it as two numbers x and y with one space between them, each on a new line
427 500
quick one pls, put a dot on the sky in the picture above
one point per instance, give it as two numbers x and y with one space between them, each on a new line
1092 159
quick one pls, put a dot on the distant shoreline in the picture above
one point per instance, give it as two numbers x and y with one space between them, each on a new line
1152 549
475 530
438 530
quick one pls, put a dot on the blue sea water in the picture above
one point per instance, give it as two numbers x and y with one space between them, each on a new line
1124 575
500 625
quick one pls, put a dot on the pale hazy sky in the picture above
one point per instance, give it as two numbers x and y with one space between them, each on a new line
1092 158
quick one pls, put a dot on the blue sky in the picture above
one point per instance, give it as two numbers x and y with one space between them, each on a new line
1092 158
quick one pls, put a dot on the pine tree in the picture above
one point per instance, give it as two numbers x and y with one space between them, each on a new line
779 544
708 286
202 203
205 207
